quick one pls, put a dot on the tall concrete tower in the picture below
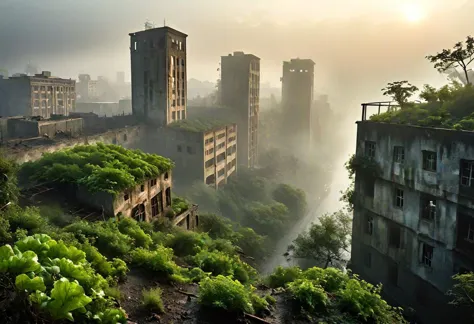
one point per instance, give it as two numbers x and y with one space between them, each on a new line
158 58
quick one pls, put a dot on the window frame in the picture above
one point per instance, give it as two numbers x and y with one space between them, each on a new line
399 198
370 148
430 165
399 154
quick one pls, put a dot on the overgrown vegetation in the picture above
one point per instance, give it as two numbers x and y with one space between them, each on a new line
179 205
199 125
100 167
152 300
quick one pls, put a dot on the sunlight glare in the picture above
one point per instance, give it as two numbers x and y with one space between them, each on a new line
413 12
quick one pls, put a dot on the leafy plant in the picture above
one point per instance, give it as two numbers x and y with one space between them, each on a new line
309 295
152 301
179 205
282 276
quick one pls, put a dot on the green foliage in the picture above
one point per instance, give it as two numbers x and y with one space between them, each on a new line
269 220
100 167
179 205
216 226
462 292
325 241
362 164
220 263
199 125
57 279
400 91
152 301
294 199
8 183
130 227
159 260
186 243
282 276
225 293
308 294
270 299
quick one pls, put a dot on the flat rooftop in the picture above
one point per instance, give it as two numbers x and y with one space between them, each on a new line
199 125
157 30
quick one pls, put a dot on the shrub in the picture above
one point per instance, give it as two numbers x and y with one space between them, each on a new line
115 293
215 226
270 299
225 293
159 260
28 219
130 227
186 243
179 205
55 215
282 276
152 301
308 294
330 279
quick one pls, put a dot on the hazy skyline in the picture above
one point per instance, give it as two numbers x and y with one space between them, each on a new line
358 46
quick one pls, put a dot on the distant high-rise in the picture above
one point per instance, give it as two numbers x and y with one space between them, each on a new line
158 65
297 101
240 90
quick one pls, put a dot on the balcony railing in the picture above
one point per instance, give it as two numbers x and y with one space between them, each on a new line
381 106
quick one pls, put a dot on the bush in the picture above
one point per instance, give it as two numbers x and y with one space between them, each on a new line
330 279
224 293
309 295
216 226
152 301
115 293
159 260
270 299
55 215
28 219
179 205
186 243
130 227
282 276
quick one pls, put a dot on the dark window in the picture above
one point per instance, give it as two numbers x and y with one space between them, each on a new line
393 274
429 161
126 196
370 149
182 103
399 198
138 213
426 254
399 154
153 182
179 114
189 149
467 173
179 148
187 222
173 115
369 228
428 208
166 175
209 163
368 259
155 206
369 186
197 220
124 137
394 236
168 197
142 188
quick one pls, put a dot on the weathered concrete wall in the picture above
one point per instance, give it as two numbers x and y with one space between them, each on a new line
71 127
401 269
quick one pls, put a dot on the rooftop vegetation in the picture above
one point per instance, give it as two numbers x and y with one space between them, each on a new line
451 106
100 167
198 125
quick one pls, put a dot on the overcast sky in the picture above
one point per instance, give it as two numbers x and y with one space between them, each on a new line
358 45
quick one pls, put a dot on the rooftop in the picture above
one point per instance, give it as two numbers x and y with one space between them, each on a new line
451 107
99 167
159 30
199 125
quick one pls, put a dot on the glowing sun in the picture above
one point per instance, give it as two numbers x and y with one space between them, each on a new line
413 12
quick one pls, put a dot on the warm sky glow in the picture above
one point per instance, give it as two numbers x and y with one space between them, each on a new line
413 12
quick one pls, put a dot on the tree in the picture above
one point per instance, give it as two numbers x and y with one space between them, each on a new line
400 91
325 241
463 290
460 56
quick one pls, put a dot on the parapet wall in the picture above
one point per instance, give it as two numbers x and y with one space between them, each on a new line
33 149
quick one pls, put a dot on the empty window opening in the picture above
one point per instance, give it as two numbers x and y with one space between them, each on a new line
368 260
168 197
197 220
394 236
399 154
142 188
156 205
369 186
370 149
187 222
369 228
166 176
209 163
138 213
125 137
153 182
467 173
426 254
393 274
429 161
399 198
221 172
428 208
126 196
211 179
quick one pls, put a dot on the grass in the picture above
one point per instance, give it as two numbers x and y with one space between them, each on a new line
115 293
152 301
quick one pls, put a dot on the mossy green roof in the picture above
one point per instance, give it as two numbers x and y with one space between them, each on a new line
99 167
199 125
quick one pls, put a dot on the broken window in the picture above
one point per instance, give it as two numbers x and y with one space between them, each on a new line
394 236
428 208
399 154
426 254
155 205
138 213
168 197
370 149
369 229
467 173
153 182
398 197
429 161
368 259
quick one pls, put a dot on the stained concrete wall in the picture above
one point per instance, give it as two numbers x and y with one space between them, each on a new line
414 284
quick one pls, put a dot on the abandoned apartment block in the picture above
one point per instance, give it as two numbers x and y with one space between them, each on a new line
158 67
413 225
240 91
39 95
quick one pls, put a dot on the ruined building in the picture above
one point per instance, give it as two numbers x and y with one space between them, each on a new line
297 101
413 225
39 95
158 67
240 90
204 150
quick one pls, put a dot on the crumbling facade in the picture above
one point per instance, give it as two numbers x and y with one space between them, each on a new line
207 155
413 225
240 90
39 95
158 65
297 102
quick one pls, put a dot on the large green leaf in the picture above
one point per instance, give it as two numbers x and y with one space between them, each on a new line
6 252
34 243
60 250
66 297
111 316
70 270
23 262
23 282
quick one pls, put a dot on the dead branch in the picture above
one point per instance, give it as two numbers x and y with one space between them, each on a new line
187 293
256 318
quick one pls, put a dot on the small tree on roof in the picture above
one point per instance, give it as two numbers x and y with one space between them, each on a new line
460 56
400 91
